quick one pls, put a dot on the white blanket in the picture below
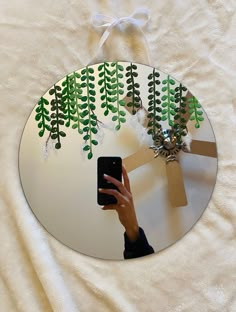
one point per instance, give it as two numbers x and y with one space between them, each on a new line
42 41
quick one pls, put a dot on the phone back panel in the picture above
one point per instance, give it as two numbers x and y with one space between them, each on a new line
111 166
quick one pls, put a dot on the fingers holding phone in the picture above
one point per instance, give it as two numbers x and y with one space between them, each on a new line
119 185
124 204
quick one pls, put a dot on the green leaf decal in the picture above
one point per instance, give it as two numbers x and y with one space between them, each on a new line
117 88
72 94
180 127
73 103
58 117
133 88
169 101
153 104
42 116
87 115
196 112
111 89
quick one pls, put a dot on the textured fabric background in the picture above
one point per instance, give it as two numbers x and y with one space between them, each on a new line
40 42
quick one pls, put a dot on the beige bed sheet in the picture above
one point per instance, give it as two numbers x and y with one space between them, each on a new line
40 42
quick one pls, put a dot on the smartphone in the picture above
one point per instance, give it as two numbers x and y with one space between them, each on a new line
111 166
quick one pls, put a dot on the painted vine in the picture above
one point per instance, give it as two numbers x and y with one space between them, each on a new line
154 108
73 103
133 92
180 120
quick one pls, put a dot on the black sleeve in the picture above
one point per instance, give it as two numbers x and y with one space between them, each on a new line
138 248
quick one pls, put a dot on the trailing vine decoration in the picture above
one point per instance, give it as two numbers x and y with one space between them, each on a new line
106 90
168 104
195 111
57 117
70 94
88 117
118 86
154 108
42 116
133 88
179 120
73 103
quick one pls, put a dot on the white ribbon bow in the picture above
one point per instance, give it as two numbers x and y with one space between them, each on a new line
139 19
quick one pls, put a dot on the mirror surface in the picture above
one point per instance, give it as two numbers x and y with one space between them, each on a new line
60 184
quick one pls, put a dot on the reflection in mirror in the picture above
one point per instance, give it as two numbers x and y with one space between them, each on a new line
127 110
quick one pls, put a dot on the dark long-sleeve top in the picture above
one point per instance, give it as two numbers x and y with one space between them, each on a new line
137 248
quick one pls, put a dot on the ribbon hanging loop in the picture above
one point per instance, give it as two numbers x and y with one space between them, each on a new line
139 18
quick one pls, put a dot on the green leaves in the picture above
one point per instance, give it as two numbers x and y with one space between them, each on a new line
195 111
87 108
73 103
118 86
133 88
42 116
110 75
107 92
73 93
153 104
57 117
68 99
179 119
168 101
78 103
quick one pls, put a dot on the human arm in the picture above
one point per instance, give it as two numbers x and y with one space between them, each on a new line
136 244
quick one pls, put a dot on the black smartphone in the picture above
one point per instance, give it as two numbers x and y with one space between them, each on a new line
111 166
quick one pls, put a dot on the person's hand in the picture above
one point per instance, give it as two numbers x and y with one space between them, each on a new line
124 205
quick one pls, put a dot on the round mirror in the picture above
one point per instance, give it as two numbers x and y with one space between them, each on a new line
127 110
